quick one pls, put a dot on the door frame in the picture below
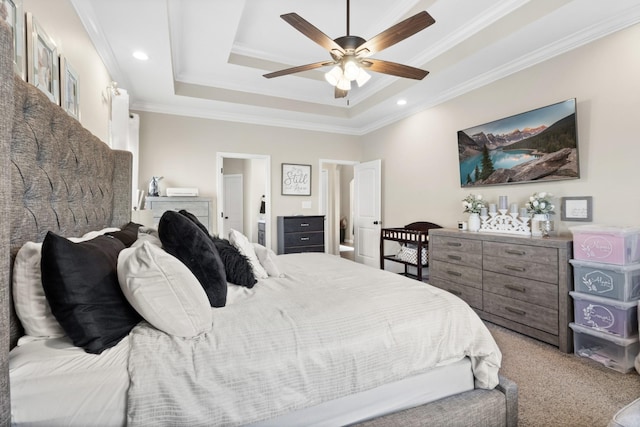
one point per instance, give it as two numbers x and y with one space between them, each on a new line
220 156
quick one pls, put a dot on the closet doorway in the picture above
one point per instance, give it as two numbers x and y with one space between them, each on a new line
255 175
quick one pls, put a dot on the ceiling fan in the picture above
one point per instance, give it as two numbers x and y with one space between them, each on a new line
351 54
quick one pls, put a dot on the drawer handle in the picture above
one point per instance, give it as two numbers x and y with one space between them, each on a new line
456 257
304 238
516 288
515 252
455 292
304 224
516 311
454 273
514 268
454 244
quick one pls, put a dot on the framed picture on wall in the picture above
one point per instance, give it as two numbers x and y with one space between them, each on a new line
11 12
296 180
577 209
42 60
69 89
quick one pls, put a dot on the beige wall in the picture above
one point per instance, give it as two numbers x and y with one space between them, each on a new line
420 159
183 150
60 21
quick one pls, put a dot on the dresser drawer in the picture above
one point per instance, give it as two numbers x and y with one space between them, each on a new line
457 251
471 296
304 223
521 252
531 315
521 267
196 208
463 275
532 291
304 239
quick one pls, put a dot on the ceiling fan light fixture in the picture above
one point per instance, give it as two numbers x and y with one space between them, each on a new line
351 69
363 77
344 84
334 76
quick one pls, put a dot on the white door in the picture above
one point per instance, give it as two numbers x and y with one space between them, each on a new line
367 220
233 209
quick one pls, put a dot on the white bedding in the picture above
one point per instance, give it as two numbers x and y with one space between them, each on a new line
356 328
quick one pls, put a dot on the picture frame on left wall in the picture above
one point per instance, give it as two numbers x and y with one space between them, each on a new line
42 60
11 12
69 89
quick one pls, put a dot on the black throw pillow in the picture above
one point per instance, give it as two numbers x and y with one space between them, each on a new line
127 234
80 282
236 265
184 240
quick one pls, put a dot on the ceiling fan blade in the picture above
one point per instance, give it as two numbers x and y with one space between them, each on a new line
395 34
298 69
394 69
306 28
339 93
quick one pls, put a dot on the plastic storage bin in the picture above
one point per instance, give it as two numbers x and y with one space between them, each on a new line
604 314
613 352
607 244
621 282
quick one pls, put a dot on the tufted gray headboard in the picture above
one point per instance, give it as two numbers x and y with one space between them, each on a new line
55 175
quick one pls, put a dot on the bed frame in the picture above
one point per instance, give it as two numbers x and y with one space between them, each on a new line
55 175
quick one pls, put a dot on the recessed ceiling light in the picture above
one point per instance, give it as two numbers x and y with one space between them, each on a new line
138 54
401 102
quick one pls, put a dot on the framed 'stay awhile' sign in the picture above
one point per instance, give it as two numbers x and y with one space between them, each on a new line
296 180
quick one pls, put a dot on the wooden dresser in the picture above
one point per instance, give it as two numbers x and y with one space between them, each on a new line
300 234
201 207
519 282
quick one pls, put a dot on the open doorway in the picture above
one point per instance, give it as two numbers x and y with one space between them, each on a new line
253 173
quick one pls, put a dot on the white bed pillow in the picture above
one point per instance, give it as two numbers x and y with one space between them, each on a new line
267 258
29 299
245 247
163 290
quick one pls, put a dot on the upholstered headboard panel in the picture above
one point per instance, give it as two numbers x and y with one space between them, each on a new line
56 176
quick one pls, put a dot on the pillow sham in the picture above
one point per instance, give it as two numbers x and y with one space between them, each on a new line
266 256
163 290
245 247
236 266
127 235
184 240
30 302
81 284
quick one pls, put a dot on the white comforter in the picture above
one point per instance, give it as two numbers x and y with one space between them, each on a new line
330 328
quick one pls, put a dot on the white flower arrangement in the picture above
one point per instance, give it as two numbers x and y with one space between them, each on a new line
473 203
540 203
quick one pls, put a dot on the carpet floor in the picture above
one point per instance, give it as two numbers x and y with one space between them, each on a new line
557 389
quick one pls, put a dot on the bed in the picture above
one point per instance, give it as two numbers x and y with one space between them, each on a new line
58 177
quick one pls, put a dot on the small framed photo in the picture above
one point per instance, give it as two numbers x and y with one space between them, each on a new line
296 180
42 60
577 209
69 89
11 12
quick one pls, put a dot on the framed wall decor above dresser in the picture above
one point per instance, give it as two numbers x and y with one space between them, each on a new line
518 282
302 233
201 207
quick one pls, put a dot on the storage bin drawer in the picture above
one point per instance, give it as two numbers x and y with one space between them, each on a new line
613 352
532 291
304 223
620 282
525 268
471 296
460 274
303 239
607 244
604 314
522 312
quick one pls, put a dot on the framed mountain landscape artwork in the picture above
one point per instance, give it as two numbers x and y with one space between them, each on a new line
538 145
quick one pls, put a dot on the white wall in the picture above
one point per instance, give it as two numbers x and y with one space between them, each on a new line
61 23
420 157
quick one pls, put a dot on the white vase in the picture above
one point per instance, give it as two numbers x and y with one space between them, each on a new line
537 222
474 222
